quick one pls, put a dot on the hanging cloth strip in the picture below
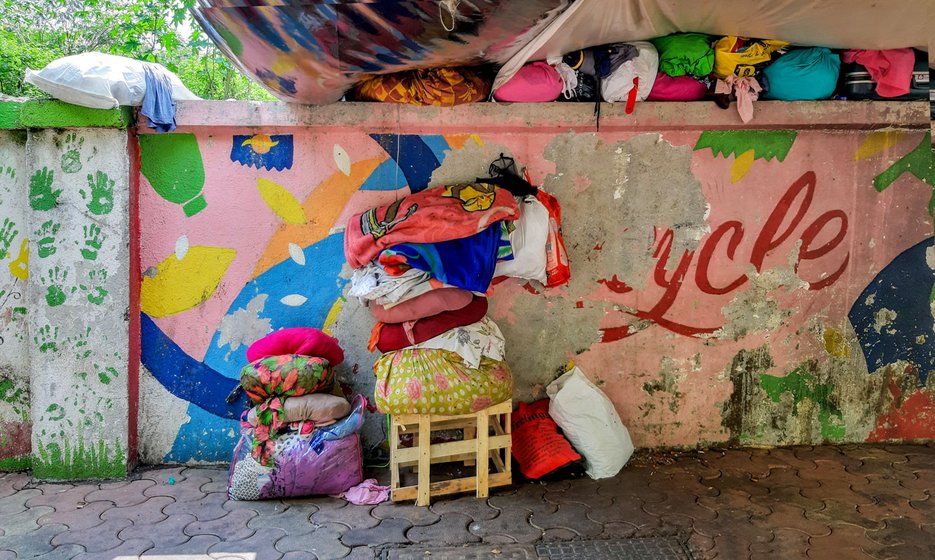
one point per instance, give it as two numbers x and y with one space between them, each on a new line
747 91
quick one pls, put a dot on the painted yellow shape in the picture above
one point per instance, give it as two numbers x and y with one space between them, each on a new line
282 65
878 141
19 267
261 143
325 205
333 315
741 165
281 202
835 343
180 285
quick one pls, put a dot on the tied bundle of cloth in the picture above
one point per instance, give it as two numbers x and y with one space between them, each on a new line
424 266
301 436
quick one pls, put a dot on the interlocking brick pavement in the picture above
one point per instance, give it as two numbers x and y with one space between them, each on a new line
841 502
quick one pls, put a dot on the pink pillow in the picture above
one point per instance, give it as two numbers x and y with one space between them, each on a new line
298 340
533 83
425 305
679 88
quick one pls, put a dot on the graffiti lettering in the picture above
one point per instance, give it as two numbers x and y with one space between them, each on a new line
725 240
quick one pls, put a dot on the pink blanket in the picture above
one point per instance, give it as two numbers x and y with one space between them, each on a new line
891 69
430 216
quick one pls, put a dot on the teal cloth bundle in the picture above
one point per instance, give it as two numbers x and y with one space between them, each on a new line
803 74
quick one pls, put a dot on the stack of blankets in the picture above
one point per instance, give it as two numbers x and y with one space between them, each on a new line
424 265
300 437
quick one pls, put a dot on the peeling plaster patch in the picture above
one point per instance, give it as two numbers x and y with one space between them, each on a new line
352 329
930 257
755 310
468 163
668 382
244 326
882 318
871 299
626 184
161 416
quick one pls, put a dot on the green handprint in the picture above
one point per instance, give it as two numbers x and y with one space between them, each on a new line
102 193
55 295
41 194
47 339
96 293
93 239
71 159
105 375
79 343
7 235
10 172
46 235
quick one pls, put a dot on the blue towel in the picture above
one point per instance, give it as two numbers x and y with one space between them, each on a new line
158 105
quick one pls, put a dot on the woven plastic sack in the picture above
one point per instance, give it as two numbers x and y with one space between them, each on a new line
557 269
803 74
535 82
99 81
742 56
537 446
617 86
443 87
325 462
590 422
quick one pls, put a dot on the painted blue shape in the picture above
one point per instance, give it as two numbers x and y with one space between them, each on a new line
416 160
903 287
184 376
386 177
204 438
278 156
438 145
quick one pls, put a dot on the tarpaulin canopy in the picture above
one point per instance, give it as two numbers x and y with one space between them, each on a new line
312 51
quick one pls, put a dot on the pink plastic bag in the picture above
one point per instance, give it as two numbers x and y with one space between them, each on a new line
681 88
535 82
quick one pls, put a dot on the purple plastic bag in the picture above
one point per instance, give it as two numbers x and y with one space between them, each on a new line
325 462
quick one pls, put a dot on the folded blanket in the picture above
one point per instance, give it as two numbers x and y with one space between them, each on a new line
466 263
417 381
425 305
430 216
388 338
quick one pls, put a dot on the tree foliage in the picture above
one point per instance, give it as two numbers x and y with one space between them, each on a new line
35 32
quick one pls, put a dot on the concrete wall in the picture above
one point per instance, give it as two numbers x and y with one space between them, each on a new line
758 285
64 290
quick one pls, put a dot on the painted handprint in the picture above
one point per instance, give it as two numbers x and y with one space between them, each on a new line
41 194
101 193
55 294
47 339
79 343
8 233
93 239
94 286
45 246
71 159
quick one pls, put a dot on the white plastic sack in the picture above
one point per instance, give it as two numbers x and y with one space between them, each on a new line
617 86
99 81
528 241
590 423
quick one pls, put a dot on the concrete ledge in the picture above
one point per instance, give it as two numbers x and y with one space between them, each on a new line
58 114
575 117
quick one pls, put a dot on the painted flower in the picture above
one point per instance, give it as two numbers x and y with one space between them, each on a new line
414 389
441 382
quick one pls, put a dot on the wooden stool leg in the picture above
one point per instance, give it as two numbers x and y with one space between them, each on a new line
425 442
469 433
483 453
394 445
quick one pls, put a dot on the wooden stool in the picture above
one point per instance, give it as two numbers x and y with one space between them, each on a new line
486 439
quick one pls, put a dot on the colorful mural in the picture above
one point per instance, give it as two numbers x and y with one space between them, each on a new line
748 286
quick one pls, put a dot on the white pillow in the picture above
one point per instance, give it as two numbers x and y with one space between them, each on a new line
528 240
99 81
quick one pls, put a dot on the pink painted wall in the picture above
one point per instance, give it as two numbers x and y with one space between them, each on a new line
718 294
